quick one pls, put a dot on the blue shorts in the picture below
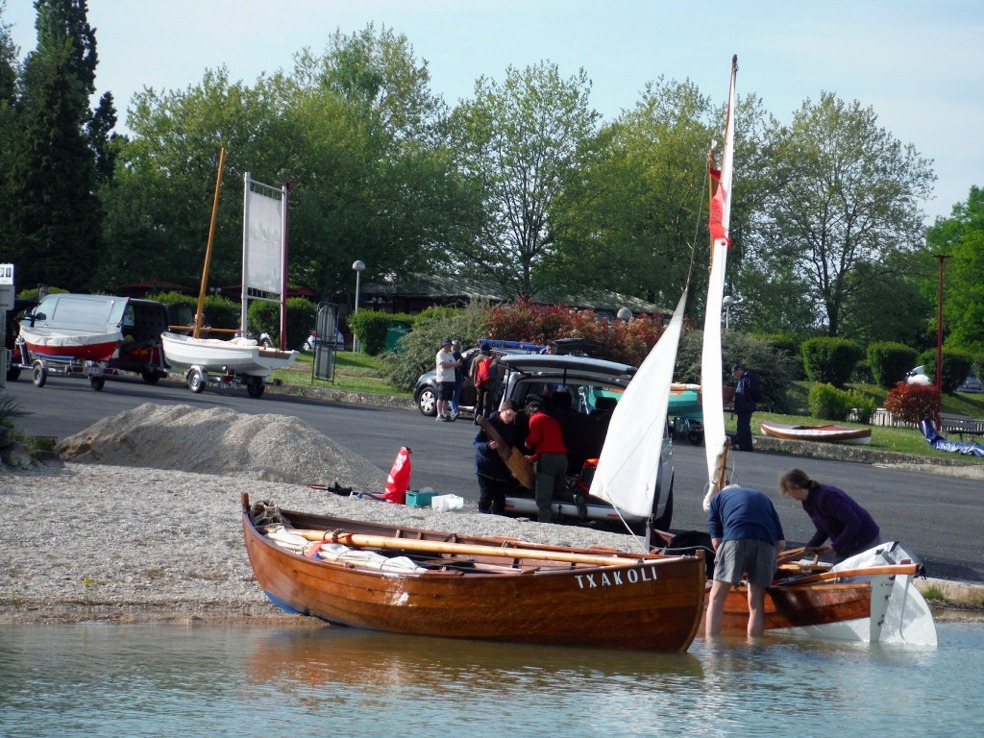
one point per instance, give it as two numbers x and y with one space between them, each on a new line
445 391
747 556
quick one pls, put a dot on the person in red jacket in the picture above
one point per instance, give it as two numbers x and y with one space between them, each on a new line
548 454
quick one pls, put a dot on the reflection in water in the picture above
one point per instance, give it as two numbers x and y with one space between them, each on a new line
96 680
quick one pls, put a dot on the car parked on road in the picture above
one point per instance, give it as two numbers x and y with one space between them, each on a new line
425 390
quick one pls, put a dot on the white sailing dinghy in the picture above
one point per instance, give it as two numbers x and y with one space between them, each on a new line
240 359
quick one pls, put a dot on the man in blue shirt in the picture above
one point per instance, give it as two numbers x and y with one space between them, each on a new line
747 537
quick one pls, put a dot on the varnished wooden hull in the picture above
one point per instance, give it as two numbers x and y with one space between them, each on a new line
821 433
801 607
650 602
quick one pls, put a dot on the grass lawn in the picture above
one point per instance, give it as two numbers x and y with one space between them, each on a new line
364 373
353 373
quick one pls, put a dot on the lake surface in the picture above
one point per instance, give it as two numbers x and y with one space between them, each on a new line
206 680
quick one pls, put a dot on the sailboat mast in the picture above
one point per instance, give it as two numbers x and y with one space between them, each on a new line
712 375
211 240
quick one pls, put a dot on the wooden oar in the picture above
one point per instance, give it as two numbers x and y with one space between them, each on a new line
463 549
868 571
511 456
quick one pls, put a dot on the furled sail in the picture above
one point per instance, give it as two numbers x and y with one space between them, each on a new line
711 365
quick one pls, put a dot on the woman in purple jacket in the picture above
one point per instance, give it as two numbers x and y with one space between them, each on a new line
850 527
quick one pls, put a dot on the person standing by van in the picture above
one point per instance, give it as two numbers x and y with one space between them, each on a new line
545 440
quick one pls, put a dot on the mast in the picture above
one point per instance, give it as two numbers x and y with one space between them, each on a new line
211 240
712 375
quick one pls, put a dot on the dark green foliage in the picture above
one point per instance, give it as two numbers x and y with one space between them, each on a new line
372 327
789 346
220 312
913 403
956 365
418 349
831 360
54 216
774 368
829 403
890 361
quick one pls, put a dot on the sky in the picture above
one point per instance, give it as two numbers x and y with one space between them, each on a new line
919 64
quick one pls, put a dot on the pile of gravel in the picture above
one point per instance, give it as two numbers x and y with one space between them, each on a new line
276 448
144 522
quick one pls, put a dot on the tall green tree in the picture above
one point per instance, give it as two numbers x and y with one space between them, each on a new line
53 216
356 131
961 236
518 142
845 193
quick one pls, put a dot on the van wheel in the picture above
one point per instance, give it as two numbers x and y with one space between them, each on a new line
97 383
150 376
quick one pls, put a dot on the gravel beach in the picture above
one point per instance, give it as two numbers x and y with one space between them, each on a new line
138 517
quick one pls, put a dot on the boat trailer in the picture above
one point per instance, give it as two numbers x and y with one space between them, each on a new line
198 377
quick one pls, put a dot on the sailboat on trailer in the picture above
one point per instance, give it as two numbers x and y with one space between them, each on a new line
240 357
869 597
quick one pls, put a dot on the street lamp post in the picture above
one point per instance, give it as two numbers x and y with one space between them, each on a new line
939 341
358 267
728 301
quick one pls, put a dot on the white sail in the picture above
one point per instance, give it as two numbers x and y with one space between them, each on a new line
711 366
630 458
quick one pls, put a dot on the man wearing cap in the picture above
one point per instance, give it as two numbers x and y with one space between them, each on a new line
747 396
446 364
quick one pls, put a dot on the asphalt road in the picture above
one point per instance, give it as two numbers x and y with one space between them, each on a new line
938 517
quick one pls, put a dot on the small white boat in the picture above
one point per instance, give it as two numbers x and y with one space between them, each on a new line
826 433
235 356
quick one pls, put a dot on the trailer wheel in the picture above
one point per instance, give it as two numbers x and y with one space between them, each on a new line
150 376
12 374
40 374
97 383
196 380
254 386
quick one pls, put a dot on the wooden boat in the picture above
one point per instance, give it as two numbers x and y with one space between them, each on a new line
420 582
824 433
870 598
70 345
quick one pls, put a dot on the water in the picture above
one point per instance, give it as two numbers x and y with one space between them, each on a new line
112 680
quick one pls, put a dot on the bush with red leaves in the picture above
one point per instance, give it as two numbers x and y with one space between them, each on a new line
912 403
628 341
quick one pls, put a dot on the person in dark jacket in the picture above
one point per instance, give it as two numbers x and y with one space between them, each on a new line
748 393
850 527
747 538
494 477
